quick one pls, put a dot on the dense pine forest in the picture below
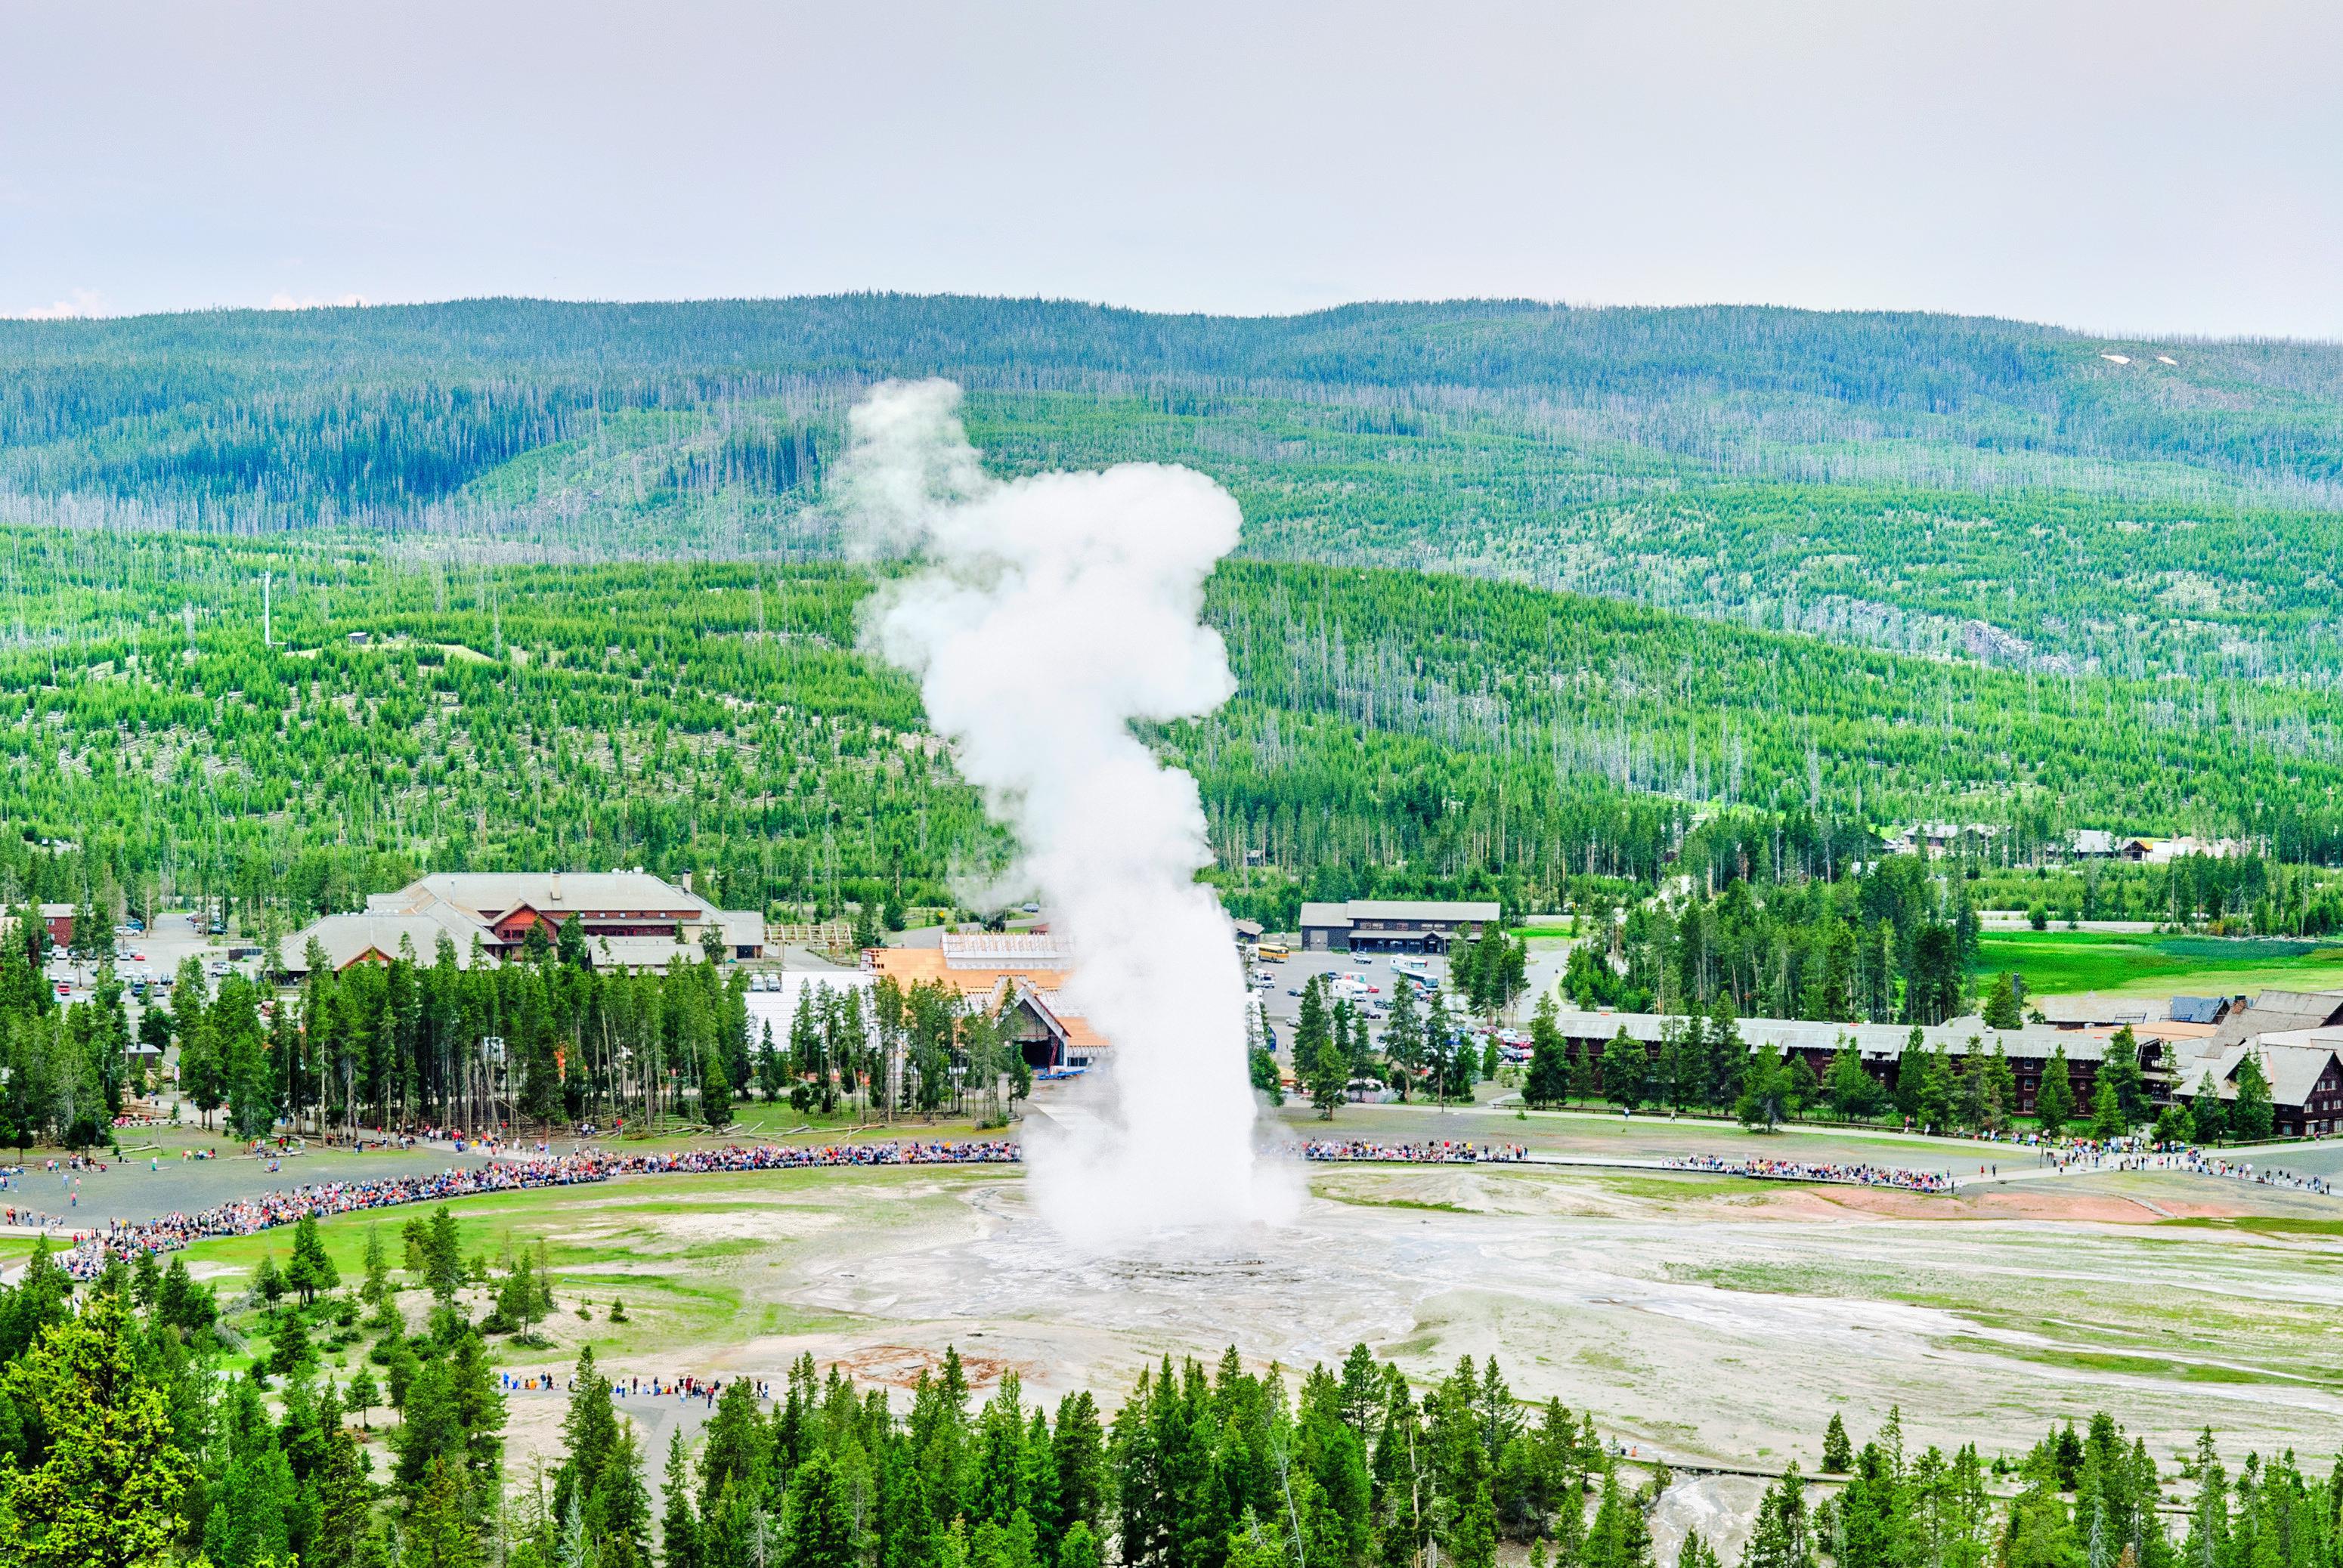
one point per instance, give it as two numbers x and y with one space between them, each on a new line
296 604
125 1441
284 725
1930 484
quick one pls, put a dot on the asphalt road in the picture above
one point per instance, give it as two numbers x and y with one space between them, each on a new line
130 1189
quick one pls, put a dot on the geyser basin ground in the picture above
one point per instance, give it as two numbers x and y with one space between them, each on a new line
1708 1316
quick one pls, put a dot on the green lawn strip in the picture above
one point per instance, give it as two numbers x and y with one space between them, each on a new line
2019 1301
486 1222
1359 1200
2261 1225
2061 963
2126 1364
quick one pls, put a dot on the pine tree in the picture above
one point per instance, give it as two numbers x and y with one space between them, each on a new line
1625 1066
311 1270
1780 1538
1585 1076
1695 1553
289 1349
106 1489
345 1498
619 1511
1547 1082
364 1393
817 1521
247 1525
2054 1102
439 1531
267 1282
2121 1069
1618 1537
1329 1078
715 1093
376 1287
2252 1116
1765 1099
679 1523
2107 1112
2001 1009
1838 1454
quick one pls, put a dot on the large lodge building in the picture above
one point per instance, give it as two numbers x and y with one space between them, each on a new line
1027 972
631 920
2296 1036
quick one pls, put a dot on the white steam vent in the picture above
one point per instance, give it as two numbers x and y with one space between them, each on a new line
1049 614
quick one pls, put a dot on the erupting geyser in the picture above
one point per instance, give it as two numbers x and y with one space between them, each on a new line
1048 615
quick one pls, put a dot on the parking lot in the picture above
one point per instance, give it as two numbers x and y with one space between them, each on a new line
152 955
1282 994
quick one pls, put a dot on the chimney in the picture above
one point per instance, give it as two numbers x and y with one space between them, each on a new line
687 881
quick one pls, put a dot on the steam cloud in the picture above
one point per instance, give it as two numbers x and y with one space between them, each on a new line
1049 614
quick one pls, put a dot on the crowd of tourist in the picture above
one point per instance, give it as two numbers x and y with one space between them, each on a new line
1831 1171
1443 1151
684 1387
2238 1170
247 1216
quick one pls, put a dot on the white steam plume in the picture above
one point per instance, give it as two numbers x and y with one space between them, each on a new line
1049 614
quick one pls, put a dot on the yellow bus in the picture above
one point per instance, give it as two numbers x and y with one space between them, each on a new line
1271 953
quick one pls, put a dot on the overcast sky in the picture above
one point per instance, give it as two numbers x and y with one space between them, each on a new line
2137 166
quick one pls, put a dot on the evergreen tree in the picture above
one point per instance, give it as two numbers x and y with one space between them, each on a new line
679 1523
1625 1065
1330 1077
817 1518
439 1533
1547 1083
1764 1100
2252 1116
1780 1538
106 1489
1838 1454
2121 1069
1586 1074
289 1350
267 1280
249 1524
2208 1118
2053 1101
2001 1009
363 1394
1618 1537
311 1270
2107 1112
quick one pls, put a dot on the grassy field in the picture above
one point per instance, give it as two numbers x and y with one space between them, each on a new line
674 1250
1709 1316
2062 963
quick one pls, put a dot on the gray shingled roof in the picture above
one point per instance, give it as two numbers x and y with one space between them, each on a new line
1874 1042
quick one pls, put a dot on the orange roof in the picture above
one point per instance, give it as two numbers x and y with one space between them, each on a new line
1073 1026
914 965
1078 1029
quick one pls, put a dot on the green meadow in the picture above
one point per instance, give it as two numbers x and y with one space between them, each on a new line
2061 963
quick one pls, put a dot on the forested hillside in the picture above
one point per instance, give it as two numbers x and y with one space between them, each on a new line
1393 731
1985 489
1529 592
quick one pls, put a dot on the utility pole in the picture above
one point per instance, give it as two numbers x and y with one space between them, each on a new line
268 634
